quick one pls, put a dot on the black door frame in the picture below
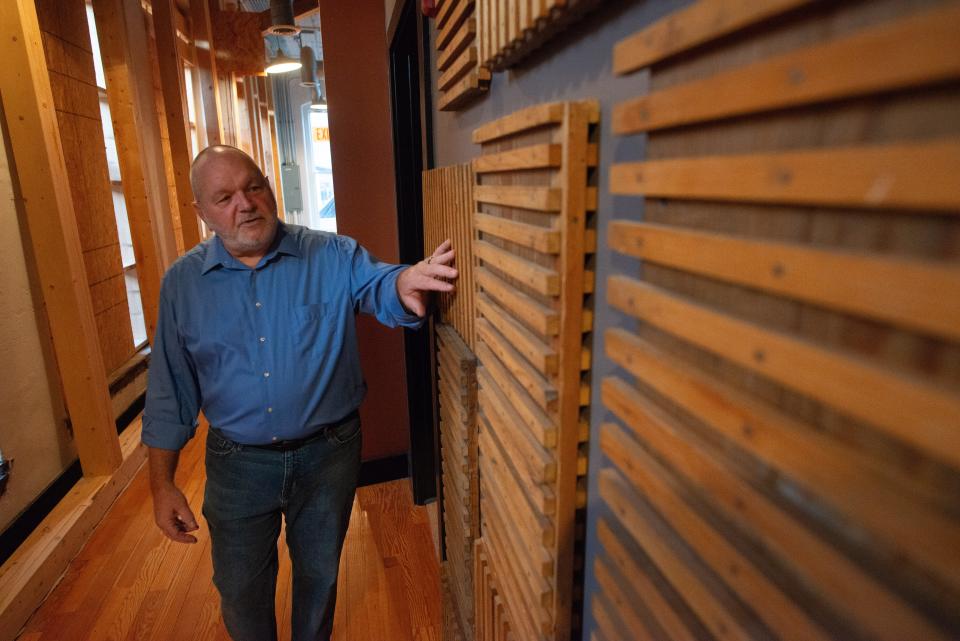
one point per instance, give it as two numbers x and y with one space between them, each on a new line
412 152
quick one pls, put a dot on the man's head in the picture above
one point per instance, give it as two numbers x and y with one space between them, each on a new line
235 200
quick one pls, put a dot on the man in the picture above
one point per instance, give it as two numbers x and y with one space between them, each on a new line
256 328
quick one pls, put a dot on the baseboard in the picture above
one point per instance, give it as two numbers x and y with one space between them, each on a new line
382 470
34 569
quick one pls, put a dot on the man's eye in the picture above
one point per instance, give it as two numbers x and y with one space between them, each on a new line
255 188
222 199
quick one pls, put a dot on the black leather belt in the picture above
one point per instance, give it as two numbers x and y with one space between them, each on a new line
294 443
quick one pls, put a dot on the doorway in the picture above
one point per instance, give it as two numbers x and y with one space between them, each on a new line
410 106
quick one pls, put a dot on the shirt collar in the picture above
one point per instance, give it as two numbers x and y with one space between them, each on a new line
285 242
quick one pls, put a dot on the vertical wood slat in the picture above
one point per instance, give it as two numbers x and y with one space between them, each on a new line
122 35
447 212
537 449
45 201
737 451
511 29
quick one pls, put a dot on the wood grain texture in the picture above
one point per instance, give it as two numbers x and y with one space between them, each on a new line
533 201
909 52
130 582
922 295
695 25
777 458
447 210
910 176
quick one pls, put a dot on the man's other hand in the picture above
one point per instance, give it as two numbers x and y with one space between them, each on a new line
434 274
173 514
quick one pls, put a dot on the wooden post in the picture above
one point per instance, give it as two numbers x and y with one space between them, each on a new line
44 198
126 62
171 82
206 70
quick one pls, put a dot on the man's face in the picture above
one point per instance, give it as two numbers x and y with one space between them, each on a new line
237 203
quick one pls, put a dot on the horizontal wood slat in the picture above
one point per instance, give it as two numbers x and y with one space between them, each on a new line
913 410
916 175
715 616
461 41
541 239
887 502
536 198
541 279
912 51
457 16
645 590
531 379
533 157
531 313
518 121
818 563
699 23
922 295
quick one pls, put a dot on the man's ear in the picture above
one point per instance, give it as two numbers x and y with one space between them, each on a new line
199 210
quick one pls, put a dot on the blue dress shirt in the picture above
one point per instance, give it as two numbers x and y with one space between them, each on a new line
268 353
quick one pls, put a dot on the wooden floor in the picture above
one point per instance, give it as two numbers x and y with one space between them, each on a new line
130 582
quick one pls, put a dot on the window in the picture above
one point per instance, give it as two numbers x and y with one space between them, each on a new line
322 208
127 256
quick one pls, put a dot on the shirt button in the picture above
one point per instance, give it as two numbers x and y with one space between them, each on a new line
263 339
269 410
274 438
266 374
258 304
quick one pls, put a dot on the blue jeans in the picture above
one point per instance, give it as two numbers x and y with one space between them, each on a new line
247 491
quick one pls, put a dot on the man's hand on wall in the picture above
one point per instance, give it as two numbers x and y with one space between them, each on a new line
434 274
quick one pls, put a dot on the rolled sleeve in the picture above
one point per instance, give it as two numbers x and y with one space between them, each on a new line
173 392
374 288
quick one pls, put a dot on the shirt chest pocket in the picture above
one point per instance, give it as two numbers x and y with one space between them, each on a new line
315 327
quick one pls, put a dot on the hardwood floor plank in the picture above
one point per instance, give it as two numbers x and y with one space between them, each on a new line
130 583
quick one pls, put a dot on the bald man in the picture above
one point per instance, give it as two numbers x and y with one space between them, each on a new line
256 329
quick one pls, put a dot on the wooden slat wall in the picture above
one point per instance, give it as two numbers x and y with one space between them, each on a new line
491 613
66 43
457 385
533 243
509 30
461 77
447 209
782 440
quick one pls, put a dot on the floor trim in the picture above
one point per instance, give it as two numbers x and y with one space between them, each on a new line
34 569
382 470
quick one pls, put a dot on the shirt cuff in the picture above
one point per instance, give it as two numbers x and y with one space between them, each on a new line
395 308
164 435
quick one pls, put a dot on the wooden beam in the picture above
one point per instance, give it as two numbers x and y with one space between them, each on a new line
44 199
206 70
695 25
918 175
127 66
910 52
171 82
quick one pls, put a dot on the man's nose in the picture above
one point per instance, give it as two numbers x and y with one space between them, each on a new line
242 201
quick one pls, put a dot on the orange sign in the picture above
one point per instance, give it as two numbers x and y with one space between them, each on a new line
321 134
